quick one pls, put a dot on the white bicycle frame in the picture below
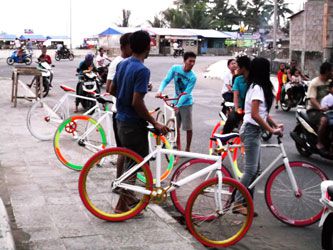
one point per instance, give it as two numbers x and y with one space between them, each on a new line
167 109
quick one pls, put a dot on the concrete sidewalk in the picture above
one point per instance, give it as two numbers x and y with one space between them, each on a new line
46 210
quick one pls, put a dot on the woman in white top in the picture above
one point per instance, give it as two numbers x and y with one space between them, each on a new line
258 101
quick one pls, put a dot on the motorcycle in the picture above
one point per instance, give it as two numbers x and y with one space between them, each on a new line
294 96
88 85
305 135
103 72
64 54
15 58
178 52
326 221
47 74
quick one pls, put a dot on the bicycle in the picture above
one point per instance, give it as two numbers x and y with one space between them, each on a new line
293 183
103 192
45 115
79 137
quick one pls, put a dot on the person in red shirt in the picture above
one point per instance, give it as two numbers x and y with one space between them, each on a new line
281 81
44 57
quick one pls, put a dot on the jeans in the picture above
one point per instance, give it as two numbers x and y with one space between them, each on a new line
250 136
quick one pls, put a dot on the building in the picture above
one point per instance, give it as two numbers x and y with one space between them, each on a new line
310 42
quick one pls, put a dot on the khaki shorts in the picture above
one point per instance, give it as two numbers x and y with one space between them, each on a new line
184 117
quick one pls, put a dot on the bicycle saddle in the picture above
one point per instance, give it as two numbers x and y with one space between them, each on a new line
225 137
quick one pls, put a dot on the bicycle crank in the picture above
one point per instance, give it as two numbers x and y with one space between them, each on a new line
158 195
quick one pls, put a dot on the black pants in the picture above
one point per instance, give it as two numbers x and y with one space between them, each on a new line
232 122
228 96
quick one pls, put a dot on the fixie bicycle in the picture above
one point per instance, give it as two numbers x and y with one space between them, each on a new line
45 115
291 192
211 216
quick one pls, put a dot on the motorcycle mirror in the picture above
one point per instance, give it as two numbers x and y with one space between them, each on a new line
52 66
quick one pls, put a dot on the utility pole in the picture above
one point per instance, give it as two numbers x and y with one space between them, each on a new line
275 25
70 23
328 31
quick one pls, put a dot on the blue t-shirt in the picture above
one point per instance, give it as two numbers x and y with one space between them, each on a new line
184 82
131 76
241 86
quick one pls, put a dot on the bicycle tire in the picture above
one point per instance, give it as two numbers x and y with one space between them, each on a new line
170 160
44 117
95 185
180 195
277 183
160 117
213 228
172 135
218 129
67 145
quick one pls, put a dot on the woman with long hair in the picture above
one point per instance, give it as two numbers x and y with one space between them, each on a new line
258 102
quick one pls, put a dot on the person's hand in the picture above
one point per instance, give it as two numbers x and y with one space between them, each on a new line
158 94
161 127
324 109
281 126
277 131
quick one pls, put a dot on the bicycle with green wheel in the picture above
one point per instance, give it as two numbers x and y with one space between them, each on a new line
210 212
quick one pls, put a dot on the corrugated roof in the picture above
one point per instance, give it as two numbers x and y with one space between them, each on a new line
7 37
171 32
209 33
33 37
58 37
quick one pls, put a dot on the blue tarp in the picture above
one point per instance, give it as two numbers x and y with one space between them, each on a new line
7 37
33 37
110 31
57 37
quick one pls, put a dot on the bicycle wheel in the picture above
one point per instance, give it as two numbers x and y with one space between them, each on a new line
160 117
216 225
295 210
44 117
98 177
218 129
166 164
72 149
172 135
180 195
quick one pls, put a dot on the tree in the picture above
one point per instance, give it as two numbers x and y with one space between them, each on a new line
282 11
174 18
126 16
157 22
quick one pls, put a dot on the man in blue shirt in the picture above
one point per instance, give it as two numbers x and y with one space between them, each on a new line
129 86
184 79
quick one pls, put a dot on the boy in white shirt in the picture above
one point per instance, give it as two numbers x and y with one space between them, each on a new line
327 101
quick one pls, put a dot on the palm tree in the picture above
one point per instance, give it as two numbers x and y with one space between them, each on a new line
126 16
282 11
157 22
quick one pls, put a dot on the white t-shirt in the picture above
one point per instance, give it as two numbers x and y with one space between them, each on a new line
226 80
327 101
101 60
17 43
113 67
59 46
255 92
175 45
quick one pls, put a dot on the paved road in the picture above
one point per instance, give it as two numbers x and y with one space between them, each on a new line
266 232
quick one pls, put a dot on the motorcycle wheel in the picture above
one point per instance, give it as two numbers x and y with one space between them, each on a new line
302 149
57 57
10 61
71 57
285 106
327 233
27 61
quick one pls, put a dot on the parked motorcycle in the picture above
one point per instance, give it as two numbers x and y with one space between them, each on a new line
88 85
305 135
326 220
47 73
64 54
15 58
294 96
178 52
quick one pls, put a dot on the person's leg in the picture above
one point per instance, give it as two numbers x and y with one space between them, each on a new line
78 92
322 132
189 134
179 122
186 117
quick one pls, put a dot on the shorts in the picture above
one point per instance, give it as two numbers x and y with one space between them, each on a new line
184 117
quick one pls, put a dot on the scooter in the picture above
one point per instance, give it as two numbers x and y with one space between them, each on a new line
326 221
305 135
178 52
25 58
64 54
89 86
47 74
295 96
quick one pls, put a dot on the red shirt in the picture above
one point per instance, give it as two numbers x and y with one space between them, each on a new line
46 58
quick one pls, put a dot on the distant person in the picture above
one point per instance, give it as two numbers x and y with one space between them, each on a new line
282 79
227 80
101 58
44 57
59 47
175 45
184 80
17 43
29 45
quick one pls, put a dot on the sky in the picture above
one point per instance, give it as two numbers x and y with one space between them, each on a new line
52 17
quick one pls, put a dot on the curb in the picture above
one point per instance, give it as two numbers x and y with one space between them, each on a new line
6 237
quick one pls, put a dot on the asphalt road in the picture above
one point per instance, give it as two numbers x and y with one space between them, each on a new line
266 232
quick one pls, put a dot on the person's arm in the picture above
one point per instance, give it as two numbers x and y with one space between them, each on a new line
236 96
48 59
235 90
188 91
166 81
228 82
312 94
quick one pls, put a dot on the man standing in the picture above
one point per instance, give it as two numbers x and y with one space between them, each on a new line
129 86
184 80
227 80
29 45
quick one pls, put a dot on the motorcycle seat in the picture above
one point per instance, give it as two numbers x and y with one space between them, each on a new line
304 114
67 88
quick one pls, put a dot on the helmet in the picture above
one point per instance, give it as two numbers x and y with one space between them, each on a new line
89 58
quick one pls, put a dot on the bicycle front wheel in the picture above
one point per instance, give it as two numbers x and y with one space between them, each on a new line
211 214
73 146
44 117
180 195
107 201
296 209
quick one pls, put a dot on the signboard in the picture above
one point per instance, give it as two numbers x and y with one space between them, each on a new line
28 31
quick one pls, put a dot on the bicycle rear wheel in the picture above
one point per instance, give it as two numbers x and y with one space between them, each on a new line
301 209
44 117
102 198
216 225
218 129
72 149
180 195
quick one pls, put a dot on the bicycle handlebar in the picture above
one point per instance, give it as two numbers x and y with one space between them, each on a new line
167 100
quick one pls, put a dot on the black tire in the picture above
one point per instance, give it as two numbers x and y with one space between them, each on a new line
10 61
71 57
27 60
327 233
285 106
87 104
302 148
57 57
160 117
